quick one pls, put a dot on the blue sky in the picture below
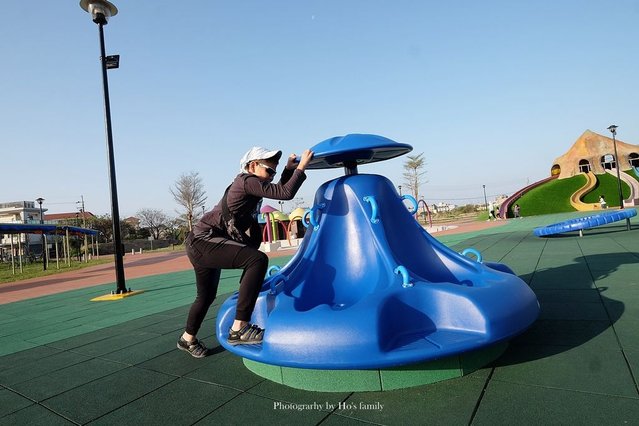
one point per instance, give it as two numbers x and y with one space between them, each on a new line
491 92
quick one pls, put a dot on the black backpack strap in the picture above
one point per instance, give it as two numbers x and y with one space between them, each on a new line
226 214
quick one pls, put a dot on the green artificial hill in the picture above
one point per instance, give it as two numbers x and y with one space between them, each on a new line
554 196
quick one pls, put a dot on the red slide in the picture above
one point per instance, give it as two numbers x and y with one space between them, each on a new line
505 206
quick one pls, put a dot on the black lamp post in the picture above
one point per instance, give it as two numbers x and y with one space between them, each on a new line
486 201
613 130
101 11
44 238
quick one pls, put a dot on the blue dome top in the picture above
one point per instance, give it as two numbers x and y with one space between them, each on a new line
354 149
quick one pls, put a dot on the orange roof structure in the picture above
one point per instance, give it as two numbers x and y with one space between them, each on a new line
595 153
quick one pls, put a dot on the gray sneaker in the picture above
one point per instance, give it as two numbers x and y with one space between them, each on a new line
195 348
247 335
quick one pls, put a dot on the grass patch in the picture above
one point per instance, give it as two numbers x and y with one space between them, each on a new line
607 185
34 270
554 196
551 197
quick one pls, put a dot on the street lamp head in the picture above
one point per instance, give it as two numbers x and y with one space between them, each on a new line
100 10
613 129
39 200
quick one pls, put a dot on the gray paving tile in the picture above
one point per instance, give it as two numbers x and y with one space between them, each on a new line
512 404
145 351
573 311
248 409
277 392
583 368
11 402
111 344
179 363
424 405
627 329
181 402
225 369
25 357
94 399
568 296
57 382
633 360
34 415
36 368
337 420
568 333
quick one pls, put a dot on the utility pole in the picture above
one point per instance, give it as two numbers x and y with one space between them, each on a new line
84 225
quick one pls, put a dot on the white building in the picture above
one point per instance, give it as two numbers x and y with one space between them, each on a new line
20 212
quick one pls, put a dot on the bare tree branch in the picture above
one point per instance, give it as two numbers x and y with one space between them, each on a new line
189 193
154 220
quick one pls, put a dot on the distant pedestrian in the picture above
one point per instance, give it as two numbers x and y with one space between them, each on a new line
602 202
491 211
516 210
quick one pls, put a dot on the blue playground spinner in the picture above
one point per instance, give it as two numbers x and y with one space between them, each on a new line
586 222
370 288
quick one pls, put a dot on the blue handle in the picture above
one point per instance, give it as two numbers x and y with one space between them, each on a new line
274 281
405 277
313 217
305 219
371 199
412 200
472 251
272 269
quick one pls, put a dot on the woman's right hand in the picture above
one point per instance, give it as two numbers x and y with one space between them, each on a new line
305 158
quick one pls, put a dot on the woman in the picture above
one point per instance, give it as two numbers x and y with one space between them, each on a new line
228 237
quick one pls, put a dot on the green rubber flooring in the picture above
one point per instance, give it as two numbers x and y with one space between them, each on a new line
66 360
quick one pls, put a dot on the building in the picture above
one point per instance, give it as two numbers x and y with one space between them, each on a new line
73 218
21 212
595 153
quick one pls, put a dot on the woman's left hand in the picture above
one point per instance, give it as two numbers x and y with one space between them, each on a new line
292 161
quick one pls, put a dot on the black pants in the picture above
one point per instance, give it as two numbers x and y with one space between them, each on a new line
209 257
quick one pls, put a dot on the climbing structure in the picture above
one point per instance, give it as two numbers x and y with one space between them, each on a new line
369 288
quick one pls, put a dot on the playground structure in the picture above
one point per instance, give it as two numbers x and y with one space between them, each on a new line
505 206
633 184
425 211
63 231
280 230
591 155
575 198
370 289
582 223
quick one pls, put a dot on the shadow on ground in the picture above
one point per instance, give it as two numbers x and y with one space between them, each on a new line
575 308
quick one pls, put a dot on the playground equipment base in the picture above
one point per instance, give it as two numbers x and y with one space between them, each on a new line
379 380
118 296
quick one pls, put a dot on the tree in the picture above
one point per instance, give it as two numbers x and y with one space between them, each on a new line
174 230
102 224
154 220
189 193
413 174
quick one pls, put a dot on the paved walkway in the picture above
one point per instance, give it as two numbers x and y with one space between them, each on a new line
65 360
135 266
145 264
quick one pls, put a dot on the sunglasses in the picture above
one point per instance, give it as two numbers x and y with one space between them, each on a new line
269 170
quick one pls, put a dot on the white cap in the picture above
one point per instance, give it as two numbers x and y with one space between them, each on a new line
258 153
